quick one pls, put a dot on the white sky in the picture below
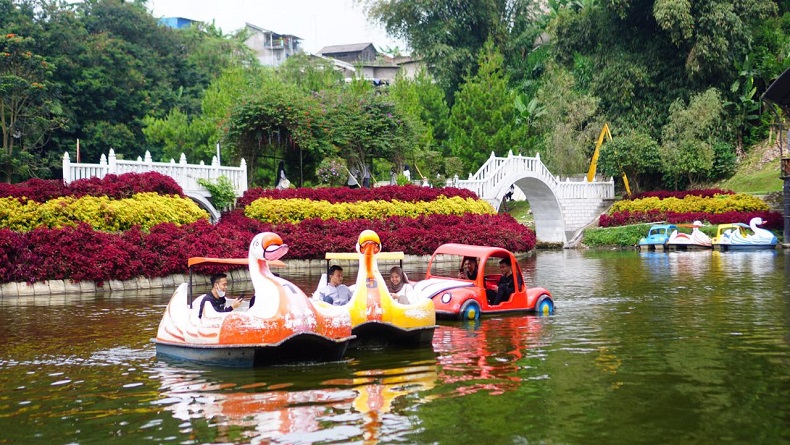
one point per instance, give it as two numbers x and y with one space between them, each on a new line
319 23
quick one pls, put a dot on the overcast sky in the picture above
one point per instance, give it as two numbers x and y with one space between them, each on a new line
319 23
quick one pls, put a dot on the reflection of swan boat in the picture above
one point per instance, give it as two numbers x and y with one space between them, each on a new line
282 326
684 241
657 236
376 316
281 412
735 237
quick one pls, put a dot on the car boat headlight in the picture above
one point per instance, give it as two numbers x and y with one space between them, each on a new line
447 297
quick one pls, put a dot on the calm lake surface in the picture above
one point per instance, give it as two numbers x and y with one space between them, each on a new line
680 347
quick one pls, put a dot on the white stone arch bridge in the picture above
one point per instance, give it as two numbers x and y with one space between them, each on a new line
561 208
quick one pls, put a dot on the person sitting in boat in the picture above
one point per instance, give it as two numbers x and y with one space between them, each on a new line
335 292
400 288
219 284
505 288
468 269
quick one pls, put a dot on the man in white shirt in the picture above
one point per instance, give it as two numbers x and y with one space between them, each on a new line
335 292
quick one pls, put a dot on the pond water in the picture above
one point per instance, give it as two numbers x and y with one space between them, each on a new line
680 347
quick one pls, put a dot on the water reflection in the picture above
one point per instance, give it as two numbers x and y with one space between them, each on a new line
486 356
331 402
693 346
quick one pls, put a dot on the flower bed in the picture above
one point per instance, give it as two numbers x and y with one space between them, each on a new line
112 186
295 210
60 240
712 206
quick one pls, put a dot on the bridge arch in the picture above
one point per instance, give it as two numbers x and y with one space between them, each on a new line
204 204
560 208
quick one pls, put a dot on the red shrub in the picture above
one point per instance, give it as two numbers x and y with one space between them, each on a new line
774 220
113 186
663 194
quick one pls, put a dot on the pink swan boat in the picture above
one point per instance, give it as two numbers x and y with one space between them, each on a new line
281 326
684 241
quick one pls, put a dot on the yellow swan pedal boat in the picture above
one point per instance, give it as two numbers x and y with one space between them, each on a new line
378 319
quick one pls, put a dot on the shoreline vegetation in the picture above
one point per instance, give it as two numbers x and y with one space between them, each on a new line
68 235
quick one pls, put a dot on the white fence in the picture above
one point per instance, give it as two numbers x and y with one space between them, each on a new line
186 175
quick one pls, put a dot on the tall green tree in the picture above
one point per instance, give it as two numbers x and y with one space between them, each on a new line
569 126
422 101
448 34
689 139
483 118
29 111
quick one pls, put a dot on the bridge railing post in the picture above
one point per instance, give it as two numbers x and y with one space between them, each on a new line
67 174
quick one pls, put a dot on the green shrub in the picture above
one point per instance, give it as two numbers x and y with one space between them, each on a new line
615 236
223 194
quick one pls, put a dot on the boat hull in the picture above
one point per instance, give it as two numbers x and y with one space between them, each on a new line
374 335
726 247
297 349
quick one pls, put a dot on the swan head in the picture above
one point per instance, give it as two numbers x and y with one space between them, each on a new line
757 221
697 224
267 246
369 243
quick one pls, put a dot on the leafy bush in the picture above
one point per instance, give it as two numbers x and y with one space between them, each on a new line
101 213
112 186
332 171
81 253
615 236
295 210
223 194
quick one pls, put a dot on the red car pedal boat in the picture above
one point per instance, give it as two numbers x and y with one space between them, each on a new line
468 298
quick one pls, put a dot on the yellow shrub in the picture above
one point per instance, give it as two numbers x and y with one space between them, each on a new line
102 213
690 203
295 210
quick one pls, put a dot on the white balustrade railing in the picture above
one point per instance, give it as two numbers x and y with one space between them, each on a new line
486 181
186 175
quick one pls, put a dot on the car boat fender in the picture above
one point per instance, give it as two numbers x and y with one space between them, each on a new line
470 310
545 305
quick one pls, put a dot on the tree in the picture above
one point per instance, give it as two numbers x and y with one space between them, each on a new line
310 74
482 119
688 140
636 155
197 135
29 112
278 119
569 126
448 34
365 126
422 101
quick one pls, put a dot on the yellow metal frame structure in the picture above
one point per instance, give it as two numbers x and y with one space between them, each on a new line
605 133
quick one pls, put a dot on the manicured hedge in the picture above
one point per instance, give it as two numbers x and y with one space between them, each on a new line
774 220
81 253
688 204
663 194
112 186
295 210
101 213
